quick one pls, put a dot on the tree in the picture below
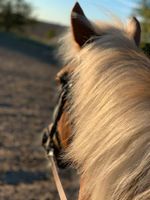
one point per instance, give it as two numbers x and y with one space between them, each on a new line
22 14
144 12
15 14
6 16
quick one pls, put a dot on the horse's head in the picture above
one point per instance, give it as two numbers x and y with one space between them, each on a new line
83 33
109 109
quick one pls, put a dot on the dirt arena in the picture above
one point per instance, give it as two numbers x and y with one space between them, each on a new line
27 98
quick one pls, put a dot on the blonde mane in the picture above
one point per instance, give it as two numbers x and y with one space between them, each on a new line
110 110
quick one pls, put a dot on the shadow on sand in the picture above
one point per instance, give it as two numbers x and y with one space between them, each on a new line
17 177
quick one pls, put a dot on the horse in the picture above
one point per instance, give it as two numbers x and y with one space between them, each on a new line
108 109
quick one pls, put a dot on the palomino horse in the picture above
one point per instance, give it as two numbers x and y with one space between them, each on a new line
109 106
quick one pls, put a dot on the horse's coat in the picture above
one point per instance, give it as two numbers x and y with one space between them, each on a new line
110 109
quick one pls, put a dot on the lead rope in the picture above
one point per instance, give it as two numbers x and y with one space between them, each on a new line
58 183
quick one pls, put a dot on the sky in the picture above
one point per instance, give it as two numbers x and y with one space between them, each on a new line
58 11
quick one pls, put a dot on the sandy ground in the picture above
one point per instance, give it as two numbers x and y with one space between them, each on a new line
27 97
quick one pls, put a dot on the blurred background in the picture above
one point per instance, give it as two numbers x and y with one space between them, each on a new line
29 31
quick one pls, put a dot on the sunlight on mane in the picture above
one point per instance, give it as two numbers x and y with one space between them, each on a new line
110 110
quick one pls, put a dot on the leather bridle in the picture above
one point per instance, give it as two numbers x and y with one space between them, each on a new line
51 138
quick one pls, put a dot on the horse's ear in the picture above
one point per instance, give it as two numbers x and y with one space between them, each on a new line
134 30
81 27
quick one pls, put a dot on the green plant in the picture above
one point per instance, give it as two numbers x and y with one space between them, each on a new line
143 11
146 48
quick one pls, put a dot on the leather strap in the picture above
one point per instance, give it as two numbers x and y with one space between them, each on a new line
56 176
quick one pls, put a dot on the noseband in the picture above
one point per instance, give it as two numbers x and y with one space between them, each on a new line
51 132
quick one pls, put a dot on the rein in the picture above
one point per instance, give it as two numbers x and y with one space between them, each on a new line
58 183
52 132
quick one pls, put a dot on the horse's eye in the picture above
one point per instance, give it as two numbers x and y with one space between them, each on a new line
64 79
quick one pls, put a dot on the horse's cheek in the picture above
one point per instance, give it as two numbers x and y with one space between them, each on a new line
64 129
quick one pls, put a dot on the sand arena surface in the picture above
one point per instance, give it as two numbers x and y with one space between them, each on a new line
27 97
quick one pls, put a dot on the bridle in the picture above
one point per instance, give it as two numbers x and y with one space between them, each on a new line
51 132
51 140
